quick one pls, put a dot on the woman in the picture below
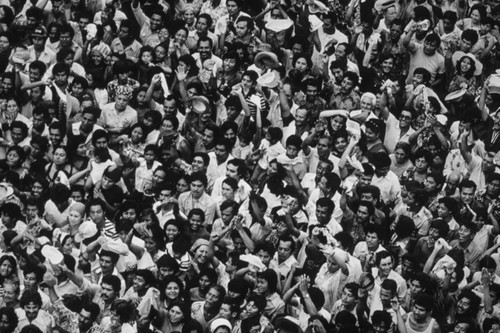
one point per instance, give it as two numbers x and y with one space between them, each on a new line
182 185
15 159
477 13
10 296
177 318
187 73
465 75
339 143
77 148
230 74
337 120
123 317
171 291
215 8
422 160
204 311
95 78
267 286
178 44
188 15
152 124
401 158
59 165
163 59
5 49
301 70
172 229
169 134
254 99
8 269
376 69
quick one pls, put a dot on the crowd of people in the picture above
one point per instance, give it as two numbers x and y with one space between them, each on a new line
236 166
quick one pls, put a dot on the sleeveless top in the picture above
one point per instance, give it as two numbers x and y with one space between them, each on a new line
411 330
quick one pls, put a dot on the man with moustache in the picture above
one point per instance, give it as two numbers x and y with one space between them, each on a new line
420 320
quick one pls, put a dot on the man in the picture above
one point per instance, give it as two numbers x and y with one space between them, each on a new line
472 253
33 276
314 104
345 97
203 24
126 43
109 191
87 319
235 169
226 22
38 51
198 198
66 35
30 312
219 158
244 31
299 126
61 72
385 179
425 245
467 205
415 209
96 213
311 179
284 259
389 15
325 37
205 46
118 117
324 216
150 26
425 56
366 250
100 139
382 301
420 320
88 125
396 129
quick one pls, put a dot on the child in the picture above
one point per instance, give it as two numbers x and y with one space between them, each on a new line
196 228
291 158
269 149
102 160
145 63
144 171
207 278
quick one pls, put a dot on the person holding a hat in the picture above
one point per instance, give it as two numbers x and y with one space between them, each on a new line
385 179
465 74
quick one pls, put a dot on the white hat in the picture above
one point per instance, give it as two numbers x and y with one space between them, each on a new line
200 104
278 25
86 230
218 323
52 254
494 84
459 55
315 22
454 95
5 191
254 262
270 79
381 5
318 7
442 119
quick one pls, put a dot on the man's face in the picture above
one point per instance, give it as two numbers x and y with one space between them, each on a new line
139 283
106 264
386 297
31 310
465 45
372 240
338 74
96 214
156 22
34 74
221 152
88 121
232 8
430 48
232 171
464 234
382 172
363 213
17 135
204 49
197 188
30 281
322 215
38 42
242 29
83 22
55 137
448 25
61 79
395 32
300 117
202 25
65 39
322 168
284 250
311 92
467 195
84 320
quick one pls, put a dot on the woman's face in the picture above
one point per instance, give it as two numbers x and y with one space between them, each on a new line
172 290
371 136
465 64
301 64
421 164
337 123
12 107
251 309
147 57
183 65
171 232
227 192
430 184
37 190
182 186
229 64
475 16
262 286
81 150
97 57
164 35
247 82
387 65
201 254
137 135
180 37
176 315
189 17
4 44
150 245
167 125
6 268
213 296
60 156
75 218
141 98
340 144
400 155
160 53
13 158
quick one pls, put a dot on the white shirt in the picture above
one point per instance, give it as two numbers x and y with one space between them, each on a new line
389 186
